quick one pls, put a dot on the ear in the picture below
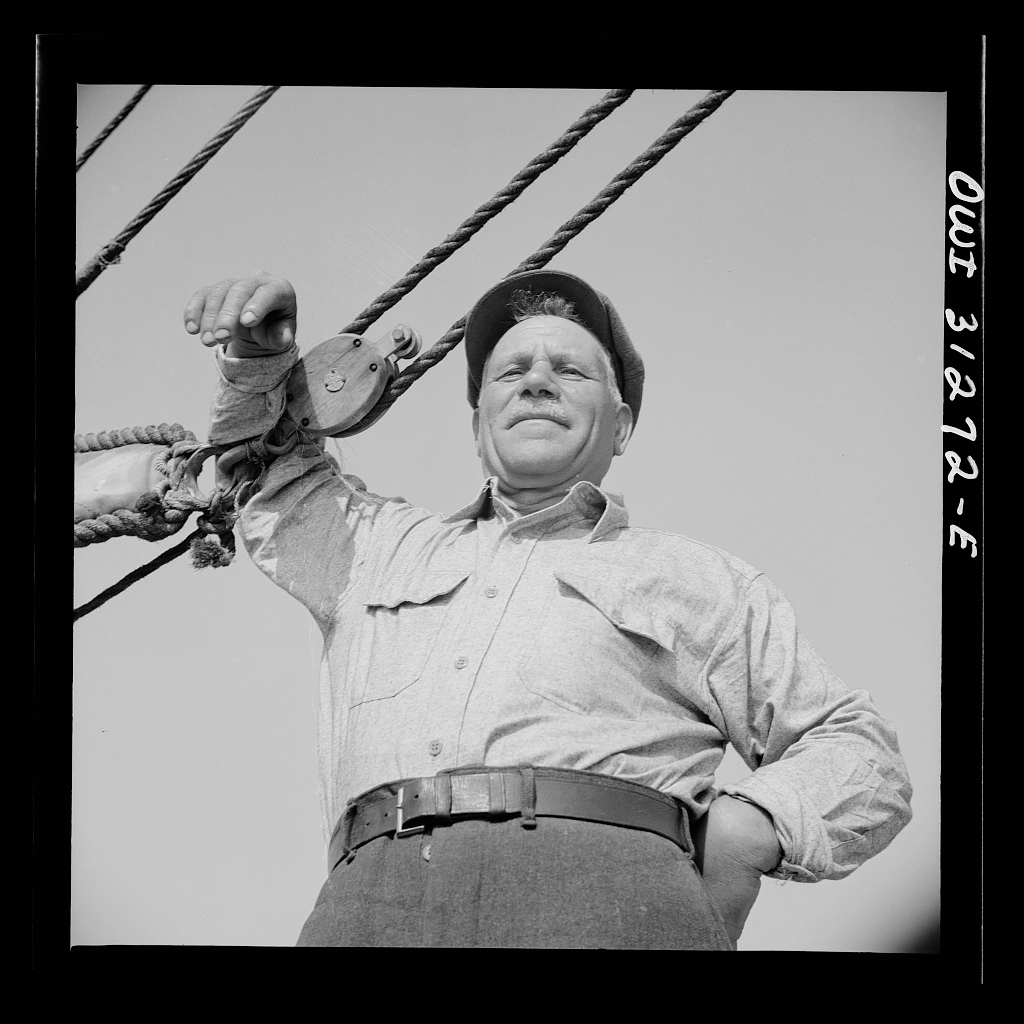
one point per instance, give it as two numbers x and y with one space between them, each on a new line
623 427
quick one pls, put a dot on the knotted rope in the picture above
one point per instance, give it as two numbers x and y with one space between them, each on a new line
111 252
591 117
163 510
561 238
158 513
118 118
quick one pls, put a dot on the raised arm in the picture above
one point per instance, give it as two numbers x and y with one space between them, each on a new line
308 524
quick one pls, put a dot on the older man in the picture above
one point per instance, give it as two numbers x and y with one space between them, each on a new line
522 705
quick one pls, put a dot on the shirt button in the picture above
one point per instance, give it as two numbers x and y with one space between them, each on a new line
434 748
491 591
461 662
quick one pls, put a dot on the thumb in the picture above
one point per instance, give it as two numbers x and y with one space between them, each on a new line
281 333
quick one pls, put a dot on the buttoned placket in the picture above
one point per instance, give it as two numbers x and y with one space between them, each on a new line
507 547
473 619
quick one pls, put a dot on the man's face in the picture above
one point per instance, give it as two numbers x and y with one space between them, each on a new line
546 415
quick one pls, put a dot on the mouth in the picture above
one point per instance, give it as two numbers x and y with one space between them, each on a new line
526 416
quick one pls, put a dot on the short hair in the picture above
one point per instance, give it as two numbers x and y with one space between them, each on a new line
525 304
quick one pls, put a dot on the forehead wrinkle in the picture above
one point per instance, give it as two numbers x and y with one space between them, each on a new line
557 342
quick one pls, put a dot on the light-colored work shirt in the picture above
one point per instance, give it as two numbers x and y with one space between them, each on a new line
564 638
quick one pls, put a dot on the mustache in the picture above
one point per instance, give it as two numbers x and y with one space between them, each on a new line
545 411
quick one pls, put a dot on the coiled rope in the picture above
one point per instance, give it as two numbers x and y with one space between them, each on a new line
118 118
111 252
471 225
568 231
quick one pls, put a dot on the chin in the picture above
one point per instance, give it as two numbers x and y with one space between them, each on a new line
536 464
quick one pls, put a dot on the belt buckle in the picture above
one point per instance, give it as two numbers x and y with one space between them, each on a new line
399 830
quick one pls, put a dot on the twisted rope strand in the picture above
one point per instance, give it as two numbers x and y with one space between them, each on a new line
118 118
165 433
111 252
471 225
569 230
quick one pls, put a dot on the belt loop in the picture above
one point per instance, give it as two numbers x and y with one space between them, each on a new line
346 829
529 797
496 793
443 798
684 828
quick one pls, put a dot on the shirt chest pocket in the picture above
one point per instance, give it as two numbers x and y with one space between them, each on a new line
598 647
402 620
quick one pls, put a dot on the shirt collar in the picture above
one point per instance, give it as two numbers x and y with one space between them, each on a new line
586 501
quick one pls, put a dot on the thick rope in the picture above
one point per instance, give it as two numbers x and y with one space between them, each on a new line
568 231
471 225
165 433
111 252
118 118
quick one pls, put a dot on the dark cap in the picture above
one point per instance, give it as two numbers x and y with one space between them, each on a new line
492 316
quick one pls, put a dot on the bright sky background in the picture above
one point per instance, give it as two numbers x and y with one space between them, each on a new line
781 274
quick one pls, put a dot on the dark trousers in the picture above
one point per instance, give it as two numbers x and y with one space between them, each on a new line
564 884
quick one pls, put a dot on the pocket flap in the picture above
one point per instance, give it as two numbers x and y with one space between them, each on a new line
418 589
616 597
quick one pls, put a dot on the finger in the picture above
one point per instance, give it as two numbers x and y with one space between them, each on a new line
226 323
194 311
211 309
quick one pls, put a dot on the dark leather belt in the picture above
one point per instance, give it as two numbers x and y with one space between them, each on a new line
408 807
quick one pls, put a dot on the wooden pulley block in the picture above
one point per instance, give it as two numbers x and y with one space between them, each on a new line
335 384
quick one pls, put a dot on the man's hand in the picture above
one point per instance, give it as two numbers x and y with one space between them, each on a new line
735 844
250 316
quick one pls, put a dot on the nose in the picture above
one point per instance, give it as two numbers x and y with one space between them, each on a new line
540 382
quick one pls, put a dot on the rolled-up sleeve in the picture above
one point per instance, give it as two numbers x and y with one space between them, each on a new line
826 765
250 395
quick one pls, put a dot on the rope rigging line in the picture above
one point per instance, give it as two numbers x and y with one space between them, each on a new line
219 521
118 118
568 231
471 225
111 252
137 574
